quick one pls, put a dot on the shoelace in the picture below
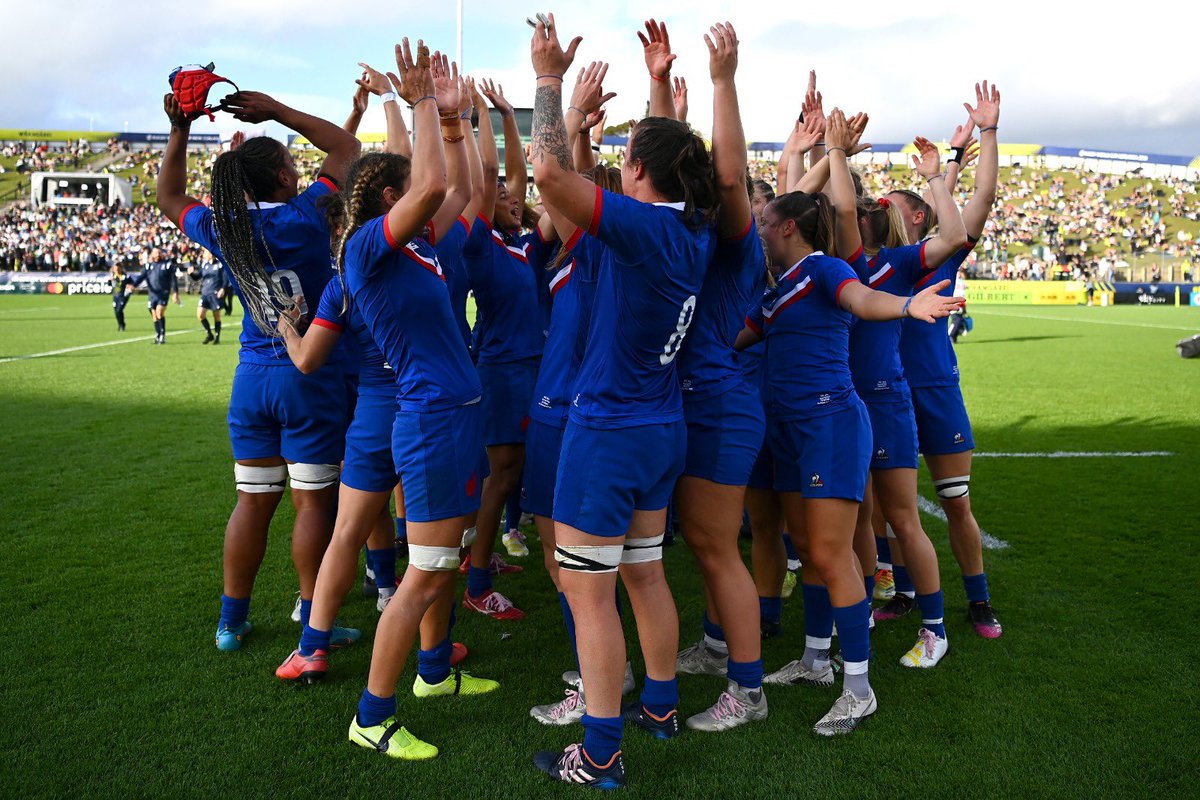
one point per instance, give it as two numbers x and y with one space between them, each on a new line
929 640
497 563
520 537
497 602
728 706
572 701
572 758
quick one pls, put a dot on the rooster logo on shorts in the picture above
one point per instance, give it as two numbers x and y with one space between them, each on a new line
816 482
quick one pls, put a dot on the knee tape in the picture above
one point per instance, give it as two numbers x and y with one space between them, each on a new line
433 559
581 558
640 551
952 488
310 477
259 480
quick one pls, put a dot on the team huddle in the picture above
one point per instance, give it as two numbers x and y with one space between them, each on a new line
669 332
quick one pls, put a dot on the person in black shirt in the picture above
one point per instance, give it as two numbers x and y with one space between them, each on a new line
160 280
122 287
213 288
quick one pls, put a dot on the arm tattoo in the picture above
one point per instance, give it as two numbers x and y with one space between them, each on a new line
549 130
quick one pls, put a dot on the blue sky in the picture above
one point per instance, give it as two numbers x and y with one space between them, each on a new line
1068 79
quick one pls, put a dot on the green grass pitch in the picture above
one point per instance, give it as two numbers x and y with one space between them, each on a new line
117 484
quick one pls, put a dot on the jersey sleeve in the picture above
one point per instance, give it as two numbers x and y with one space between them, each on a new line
743 251
369 247
632 230
452 242
197 223
330 309
833 277
307 203
479 239
754 315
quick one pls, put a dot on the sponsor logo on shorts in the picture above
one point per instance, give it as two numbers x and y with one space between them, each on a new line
958 438
881 386
881 454
544 402
824 399
816 482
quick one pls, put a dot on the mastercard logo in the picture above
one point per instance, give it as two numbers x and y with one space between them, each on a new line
55 288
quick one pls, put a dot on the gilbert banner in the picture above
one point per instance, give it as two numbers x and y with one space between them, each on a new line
1025 293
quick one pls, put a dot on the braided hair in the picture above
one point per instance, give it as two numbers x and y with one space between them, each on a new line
248 174
680 167
363 200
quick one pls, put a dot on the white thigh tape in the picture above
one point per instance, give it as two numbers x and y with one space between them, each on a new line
581 558
640 551
951 488
259 480
433 559
310 477
469 536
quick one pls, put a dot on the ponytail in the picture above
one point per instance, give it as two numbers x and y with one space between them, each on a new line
814 218
680 167
885 225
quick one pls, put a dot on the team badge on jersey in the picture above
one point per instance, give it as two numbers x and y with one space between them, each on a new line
816 482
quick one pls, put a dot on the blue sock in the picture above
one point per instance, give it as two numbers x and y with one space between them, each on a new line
478 580
746 674
234 611
904 584
660 697
818 624
791 548
601 738
770 609
434 665
712 630
569 619
383 564
854 637
373 710
977 588
869 583
883 551
401 530
932 612
312 640
305 610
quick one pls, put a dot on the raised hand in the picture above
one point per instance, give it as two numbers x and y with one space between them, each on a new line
927 305
927 161
495 93
962 133
175 112
971 154
373 81
445 83
986 113
252 107
466 94
837 132
679 99
656 48
722 52
858 124
237 140
813 107
598 128
361 97
547 53
589 94
805 135
414 80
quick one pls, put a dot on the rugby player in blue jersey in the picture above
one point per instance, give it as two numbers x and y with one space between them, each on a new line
274 242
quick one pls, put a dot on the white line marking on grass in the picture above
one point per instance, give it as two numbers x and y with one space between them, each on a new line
934 510
85 347
976 310
1080 454
26 310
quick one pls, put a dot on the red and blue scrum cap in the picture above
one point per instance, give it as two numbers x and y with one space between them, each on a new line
190 85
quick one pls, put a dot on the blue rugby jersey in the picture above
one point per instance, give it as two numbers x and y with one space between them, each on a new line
159 277
875 346
573 289
508 327
925 350
808 339
708 365
650 278
400 291
298 263
449 247
374 373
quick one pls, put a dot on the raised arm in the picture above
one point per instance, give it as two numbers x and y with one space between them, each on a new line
358 107
986 115
489 160
581 144
960 141
804 137
679 99
814 110
340 147
728 142
839 138
570 193
427 186
375 82
868 304
449 88
465 104
515 179
951 233
656 48
171 185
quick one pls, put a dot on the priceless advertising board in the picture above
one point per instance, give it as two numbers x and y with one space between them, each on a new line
1025 293
67 283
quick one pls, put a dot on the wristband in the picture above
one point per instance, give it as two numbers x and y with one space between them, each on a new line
465 115
595 148
989 128
422 99
577 108
959 152
453 139
904 311
555 77
939 175
387 97
831 149
819 144
654 77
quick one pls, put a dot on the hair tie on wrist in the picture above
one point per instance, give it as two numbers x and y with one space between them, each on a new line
989 128
831 149
422 99
555 77
904 311
654 77
465 115
577 108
